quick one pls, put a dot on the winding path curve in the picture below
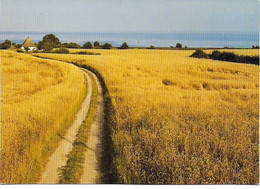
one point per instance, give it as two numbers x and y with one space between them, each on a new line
58 159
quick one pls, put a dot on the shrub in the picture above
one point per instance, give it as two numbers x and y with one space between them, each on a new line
71 45
178 45
18 46
199 53
231 57
88 45
87 53
62 51
226 56
19 51
96 44
106 46
248 59
215 55
124 46
5 45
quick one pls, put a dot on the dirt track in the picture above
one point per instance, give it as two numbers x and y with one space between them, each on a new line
58 158
92 173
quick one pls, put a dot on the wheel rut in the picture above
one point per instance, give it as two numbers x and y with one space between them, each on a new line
92 166
59 158
92 173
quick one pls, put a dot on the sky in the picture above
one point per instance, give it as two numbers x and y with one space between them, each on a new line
169 16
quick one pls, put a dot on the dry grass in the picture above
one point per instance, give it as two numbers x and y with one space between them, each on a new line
38 102
180 120
72 172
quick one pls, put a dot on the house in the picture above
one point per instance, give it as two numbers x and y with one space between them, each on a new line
28 44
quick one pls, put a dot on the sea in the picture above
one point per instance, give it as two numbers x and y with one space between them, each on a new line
206 40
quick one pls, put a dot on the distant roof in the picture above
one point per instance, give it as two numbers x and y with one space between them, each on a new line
28 43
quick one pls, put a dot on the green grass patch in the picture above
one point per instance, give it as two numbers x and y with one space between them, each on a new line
72 171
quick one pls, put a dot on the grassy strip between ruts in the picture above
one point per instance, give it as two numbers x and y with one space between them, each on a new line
55 139
72 171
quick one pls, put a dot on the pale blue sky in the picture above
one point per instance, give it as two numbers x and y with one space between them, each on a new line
210 16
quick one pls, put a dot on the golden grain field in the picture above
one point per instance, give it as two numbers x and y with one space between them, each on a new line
38 101
180 120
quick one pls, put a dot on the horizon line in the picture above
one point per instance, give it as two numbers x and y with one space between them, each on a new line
241 33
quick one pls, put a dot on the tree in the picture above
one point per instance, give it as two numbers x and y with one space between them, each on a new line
106 46
88 45
40 44
124 46
47 47
51 39
6 44
178 45
199 53
18 46
151 47
96 44
215 55
71 45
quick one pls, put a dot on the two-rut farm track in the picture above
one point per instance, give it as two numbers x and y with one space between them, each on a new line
91 166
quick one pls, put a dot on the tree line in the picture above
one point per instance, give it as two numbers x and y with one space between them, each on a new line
50 41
